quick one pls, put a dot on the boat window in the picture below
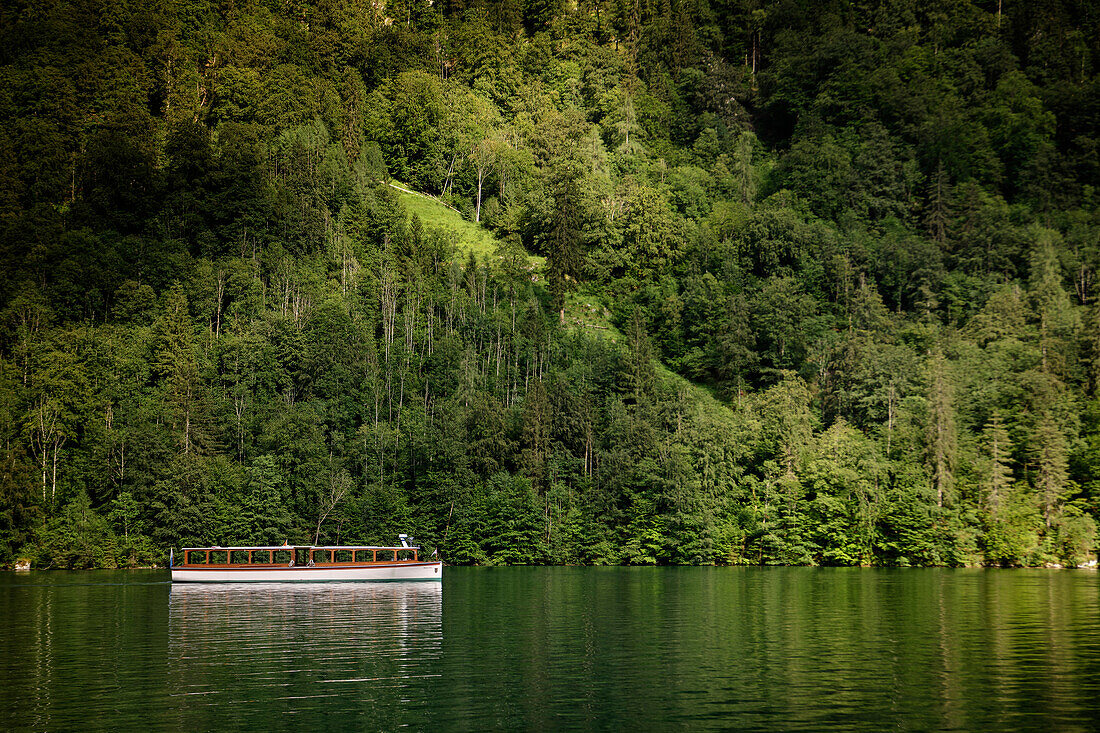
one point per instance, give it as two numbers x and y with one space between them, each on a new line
239 557
386 554
219 557
282 557
196 557
404 554
363 556
320 556
344 556
260 557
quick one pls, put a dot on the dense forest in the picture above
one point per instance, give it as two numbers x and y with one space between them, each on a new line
761 282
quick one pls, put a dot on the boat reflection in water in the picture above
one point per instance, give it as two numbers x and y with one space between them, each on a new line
362 655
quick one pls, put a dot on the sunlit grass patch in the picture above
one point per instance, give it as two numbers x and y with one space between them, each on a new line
468 236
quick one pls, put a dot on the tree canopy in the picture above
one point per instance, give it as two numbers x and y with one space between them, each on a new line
767 281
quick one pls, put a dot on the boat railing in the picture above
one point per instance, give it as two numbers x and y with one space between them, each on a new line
296 556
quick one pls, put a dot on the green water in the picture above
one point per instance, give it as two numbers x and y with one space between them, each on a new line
557 649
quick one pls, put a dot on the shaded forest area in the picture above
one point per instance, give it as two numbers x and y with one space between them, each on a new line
842 259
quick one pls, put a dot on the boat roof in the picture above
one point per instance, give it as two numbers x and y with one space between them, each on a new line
302 547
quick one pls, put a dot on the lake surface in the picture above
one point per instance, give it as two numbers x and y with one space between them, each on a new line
557 649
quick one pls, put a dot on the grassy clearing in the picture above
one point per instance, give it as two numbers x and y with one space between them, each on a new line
468 236
703 396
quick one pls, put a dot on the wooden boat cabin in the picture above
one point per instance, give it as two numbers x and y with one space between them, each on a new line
291 556
303 562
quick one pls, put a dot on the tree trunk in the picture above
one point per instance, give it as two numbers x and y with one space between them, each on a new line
480 178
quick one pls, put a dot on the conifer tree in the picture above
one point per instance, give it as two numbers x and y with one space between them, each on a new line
941 440
1052 463
999 447
564 240
176 366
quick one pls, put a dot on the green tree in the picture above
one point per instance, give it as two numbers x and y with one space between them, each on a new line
941 439
564 239
1009 527
1052 466
175 364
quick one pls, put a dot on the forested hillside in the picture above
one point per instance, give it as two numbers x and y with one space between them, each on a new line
750 282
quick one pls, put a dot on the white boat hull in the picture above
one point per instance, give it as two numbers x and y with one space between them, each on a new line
322 573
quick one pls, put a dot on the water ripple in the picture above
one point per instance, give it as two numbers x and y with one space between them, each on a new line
557 648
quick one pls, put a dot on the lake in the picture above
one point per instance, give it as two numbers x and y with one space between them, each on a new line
557 649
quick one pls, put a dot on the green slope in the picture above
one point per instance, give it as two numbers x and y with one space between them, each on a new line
583 311
468 236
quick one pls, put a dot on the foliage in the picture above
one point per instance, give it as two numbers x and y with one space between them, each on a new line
742 282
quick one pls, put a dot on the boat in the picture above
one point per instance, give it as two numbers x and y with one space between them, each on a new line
303 563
